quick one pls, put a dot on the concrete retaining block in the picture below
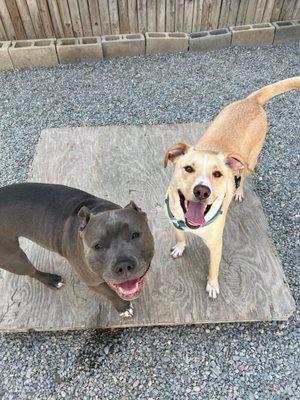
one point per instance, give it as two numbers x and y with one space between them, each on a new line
166 42
286 31
33 53
79 49
132 44
5 60
210 40
252 35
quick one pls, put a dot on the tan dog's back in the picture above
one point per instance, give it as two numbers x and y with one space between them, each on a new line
240 128
214 171
236 129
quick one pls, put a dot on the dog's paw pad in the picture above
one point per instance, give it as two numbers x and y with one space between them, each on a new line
177 250
128 313
212 292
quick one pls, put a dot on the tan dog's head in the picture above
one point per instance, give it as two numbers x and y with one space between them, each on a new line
200 177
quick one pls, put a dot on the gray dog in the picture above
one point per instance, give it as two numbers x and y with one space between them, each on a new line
109 247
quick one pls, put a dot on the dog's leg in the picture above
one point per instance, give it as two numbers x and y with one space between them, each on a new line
214 245
180 246
124 308
13 259
239 193
252 161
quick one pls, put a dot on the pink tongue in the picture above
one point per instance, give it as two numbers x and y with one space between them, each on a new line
129 286
195 213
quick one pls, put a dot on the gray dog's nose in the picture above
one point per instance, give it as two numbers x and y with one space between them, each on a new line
201 192
122 268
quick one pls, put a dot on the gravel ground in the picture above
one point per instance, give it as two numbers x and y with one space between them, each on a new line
236 361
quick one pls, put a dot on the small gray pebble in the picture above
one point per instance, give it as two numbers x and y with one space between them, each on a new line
159 89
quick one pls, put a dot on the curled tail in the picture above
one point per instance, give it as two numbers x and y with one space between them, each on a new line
263 95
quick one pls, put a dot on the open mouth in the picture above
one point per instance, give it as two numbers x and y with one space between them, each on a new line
194 212
129 290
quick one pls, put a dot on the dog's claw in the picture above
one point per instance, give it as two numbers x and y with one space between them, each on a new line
212 292
53 281
239 195
177 250
128 313
60 284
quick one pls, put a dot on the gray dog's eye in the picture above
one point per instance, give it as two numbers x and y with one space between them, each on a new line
98 246
135 235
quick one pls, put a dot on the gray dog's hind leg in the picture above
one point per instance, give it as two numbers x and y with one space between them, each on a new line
13 259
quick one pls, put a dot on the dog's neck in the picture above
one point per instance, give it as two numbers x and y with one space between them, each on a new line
176 214
74 252
175 211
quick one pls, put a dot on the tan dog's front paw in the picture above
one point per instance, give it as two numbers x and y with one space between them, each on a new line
129 313
239 195
178 250
212 291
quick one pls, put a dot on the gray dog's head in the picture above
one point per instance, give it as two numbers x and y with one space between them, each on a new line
119 247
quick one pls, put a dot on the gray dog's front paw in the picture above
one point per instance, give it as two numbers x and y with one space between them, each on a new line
129 313
53 281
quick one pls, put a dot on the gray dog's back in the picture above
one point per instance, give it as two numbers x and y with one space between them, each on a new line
39 211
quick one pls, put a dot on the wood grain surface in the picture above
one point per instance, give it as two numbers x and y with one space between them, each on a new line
36 18
21 19
26 19
123 163
56 21
170 15
46 18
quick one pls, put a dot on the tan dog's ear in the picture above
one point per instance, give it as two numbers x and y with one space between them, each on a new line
234 164
178 149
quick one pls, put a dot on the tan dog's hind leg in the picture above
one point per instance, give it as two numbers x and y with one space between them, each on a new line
253 157
239 193
180 246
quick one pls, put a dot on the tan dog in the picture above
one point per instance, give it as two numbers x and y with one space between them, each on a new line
209 175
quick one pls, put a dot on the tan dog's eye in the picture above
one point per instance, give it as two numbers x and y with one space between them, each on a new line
217 174
189 169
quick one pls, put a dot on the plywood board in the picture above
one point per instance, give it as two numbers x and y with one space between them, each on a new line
122 163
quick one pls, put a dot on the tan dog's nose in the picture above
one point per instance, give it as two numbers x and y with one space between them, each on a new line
201 192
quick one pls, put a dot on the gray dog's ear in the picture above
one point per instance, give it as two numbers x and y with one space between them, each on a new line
135 207
178 149
84 216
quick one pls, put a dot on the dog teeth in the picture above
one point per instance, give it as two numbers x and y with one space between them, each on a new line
128 313
186 204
